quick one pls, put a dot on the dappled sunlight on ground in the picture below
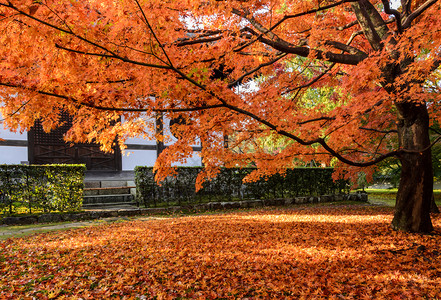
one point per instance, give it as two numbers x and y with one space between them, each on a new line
306 252
321 218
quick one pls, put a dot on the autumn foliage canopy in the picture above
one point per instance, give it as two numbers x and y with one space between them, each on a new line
350 82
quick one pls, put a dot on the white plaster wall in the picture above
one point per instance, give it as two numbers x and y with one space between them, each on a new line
133 158
140 141
13 155
167 132
9 135
148 157
194 161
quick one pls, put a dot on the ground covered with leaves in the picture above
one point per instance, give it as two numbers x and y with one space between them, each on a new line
341 252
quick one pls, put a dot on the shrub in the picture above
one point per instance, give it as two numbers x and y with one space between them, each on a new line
229 186
41 188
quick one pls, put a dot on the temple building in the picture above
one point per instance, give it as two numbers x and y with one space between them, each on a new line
39 147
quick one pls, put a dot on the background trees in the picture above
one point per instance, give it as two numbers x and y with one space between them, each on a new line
196 60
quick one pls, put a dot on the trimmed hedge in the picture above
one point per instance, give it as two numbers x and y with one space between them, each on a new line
39 188
229 186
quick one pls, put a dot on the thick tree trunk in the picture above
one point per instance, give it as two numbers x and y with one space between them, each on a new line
414 197
433 208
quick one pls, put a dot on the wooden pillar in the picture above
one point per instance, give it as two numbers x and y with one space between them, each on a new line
159 122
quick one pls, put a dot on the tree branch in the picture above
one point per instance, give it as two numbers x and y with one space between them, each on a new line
417 13
349 25
406 5
287 17
311 82
319 141
316 120
108 108
153 32
379 131
396 13
17 110
239 80
435 130
111 81
347 59
346 48
125 59
197 41
69 32
425 149
371 22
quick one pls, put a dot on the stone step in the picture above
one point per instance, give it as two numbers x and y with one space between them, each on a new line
121 198
109 190
107 183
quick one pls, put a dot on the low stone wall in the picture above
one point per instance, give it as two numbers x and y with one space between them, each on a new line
211 206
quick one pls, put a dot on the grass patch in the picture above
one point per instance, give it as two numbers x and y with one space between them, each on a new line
25 213
388 196
25 230
24 233
22 227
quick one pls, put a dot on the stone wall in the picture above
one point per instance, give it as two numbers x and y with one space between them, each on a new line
211 206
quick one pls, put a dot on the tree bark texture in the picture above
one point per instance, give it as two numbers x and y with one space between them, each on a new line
433 207
414 197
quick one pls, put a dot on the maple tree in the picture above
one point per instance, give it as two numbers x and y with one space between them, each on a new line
248 69
332 252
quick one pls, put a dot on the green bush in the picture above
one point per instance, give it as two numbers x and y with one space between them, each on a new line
43 188
229 186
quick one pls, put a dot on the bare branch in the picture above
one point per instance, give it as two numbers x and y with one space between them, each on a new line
406 5
189 109
111 81
435 130
379 143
